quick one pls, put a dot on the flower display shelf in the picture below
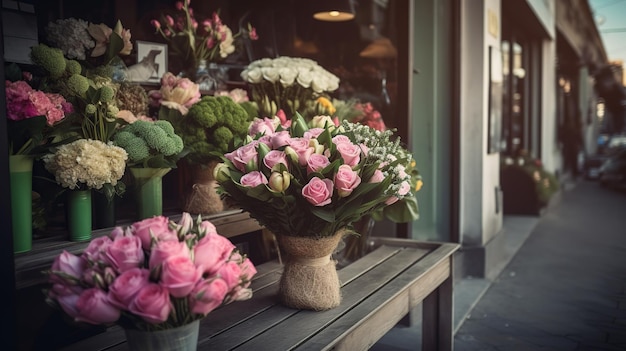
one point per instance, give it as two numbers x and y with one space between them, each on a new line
378 290
29 265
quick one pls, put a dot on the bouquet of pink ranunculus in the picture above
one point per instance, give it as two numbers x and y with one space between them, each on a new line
154 274
303 181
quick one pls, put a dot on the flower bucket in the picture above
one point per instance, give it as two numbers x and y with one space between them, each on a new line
103 215
149 190
79 215
21 170
184 338
203 197
309 280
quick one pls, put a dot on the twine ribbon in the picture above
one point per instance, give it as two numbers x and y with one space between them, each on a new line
311 262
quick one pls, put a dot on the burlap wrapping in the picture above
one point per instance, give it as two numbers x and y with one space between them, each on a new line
203 197
309 280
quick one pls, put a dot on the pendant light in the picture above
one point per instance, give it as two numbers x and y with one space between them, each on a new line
334 10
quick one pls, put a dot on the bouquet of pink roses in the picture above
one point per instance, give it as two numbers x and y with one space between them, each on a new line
315 181
155 274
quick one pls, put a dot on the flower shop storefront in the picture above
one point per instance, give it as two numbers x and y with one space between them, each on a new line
146 130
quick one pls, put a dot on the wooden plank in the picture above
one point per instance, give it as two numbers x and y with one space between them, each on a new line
303 325
363 323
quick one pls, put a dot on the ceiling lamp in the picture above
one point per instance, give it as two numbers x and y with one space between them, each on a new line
334 10
380 48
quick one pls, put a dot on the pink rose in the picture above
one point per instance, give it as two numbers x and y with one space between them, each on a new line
166 249
152 303
207 296
68 304
302 149
179 275
211 252
185 223
275 157
377 177
264 126
157 226
127 285
96 250
207 227
346 180
230 273
313 133
125 253
316 163
338 139
93 307
69 264
59 290
318 191
280 139
405 187
350 153
253 179
242 156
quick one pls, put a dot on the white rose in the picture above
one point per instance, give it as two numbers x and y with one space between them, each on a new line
254 75
270 74
287 76
319 84
304 78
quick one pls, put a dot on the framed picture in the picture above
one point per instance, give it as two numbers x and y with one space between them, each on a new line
151 63
496 81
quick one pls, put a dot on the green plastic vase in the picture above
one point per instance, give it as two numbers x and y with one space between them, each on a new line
21 171
149 191
79 215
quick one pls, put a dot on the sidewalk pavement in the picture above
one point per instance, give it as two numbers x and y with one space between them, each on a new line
563 289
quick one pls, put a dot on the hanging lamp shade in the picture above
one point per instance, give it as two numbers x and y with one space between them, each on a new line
333 10
380 48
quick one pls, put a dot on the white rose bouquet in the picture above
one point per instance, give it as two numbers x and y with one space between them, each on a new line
315 182
287 83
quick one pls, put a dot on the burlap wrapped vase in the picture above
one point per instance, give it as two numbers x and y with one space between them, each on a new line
203 197
309 280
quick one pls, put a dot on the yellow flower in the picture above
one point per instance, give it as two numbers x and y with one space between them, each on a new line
418 185
327 105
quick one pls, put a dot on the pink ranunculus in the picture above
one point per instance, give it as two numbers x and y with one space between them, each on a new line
275 157
280 139
405 187
207 295
377 177
164 250
242 156
179 275
346 180
350 153
152 303
211 252
263 126
157 226
125 253
68 264
96 250
93 307
253 179
318 191
316 163
230 272
126 286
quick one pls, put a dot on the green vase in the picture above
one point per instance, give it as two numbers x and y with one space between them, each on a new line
21 170
103 211
184 338
149 191
79 215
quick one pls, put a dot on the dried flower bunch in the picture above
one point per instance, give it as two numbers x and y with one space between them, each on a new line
287 83
313 182
152 275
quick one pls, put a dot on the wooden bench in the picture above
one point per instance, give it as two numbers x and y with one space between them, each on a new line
378 290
